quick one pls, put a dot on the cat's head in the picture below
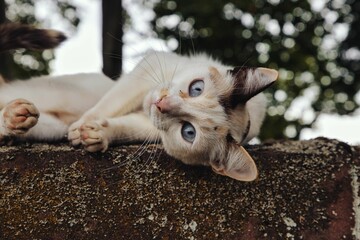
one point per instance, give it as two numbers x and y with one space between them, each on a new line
203 116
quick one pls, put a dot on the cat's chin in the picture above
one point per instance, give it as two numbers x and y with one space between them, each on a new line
156 120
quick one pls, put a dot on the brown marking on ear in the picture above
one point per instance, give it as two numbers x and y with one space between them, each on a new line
237 96
229 138
224 102
247 82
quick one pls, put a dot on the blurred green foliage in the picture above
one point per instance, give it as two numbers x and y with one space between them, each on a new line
22 64
304 41
314 44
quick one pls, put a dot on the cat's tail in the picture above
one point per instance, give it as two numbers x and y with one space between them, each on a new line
14 35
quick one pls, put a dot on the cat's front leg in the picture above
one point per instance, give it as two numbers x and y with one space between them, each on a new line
125 97
96 135
17 117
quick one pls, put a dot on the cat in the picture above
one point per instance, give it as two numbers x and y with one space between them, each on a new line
202 110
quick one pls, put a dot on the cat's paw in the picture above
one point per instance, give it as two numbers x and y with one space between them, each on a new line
93 136
74 133
18 117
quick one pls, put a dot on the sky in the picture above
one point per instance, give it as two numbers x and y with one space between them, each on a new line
82 53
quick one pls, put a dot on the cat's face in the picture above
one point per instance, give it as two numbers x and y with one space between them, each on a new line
196 112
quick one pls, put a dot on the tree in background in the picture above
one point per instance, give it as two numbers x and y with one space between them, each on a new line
349 49
301 40
318 63
112 33
24 63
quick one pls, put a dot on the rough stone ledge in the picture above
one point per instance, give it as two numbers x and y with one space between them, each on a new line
306 190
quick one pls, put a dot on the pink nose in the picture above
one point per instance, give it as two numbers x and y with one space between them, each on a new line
163 105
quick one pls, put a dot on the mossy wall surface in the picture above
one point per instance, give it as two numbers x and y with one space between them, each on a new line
306 189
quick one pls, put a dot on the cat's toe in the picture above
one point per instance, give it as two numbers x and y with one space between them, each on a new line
74 137
19 116
93 136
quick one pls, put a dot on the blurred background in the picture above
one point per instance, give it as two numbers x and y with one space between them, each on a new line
314 44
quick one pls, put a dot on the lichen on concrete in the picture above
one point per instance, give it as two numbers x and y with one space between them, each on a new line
52 191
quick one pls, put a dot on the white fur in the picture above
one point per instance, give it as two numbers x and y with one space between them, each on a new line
106 112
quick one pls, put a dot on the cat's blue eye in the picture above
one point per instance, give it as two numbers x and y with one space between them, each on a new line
188 132
196 88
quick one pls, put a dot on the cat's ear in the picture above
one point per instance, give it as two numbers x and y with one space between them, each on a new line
248 82
238 164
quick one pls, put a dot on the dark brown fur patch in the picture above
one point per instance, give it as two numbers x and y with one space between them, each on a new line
229 138
240 93
15 36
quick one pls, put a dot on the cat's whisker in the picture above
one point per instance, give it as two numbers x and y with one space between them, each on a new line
155 78
193 45
141 150
161 68
152 68
174 72
153 152
131 156
180 42
148 161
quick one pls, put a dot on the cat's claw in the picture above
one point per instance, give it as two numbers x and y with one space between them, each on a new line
18 116
93 136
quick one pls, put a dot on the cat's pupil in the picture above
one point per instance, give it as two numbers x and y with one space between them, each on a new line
188 132
196 88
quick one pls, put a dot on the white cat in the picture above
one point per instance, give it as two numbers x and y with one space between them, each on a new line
202 110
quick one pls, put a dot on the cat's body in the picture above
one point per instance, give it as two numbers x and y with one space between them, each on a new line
59 100
202 110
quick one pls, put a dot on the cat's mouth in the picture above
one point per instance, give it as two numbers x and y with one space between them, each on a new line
153 110
154 114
